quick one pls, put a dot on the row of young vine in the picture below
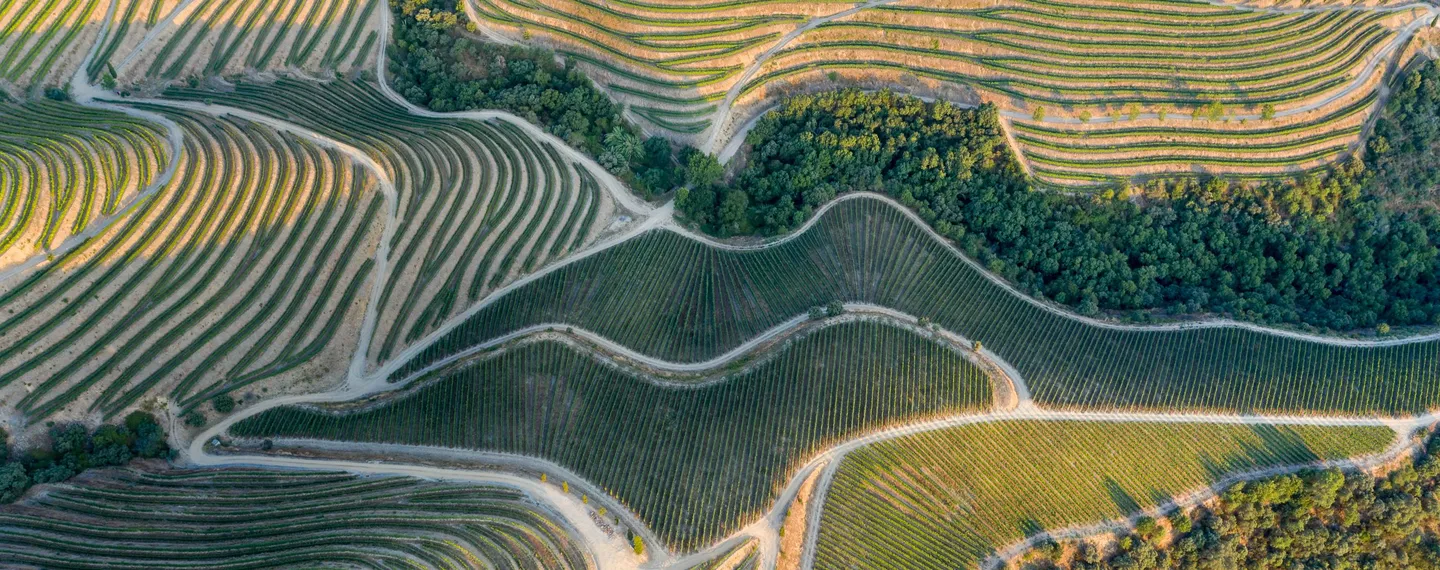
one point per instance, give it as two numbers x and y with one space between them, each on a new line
694 461
949 498
668 296
245 518
480 203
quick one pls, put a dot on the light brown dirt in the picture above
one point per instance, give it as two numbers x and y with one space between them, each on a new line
793 530
65 64
219 16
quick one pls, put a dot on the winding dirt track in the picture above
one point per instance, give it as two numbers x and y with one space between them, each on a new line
608 553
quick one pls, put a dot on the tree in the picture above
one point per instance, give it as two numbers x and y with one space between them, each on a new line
53 473
621 149
111 445
1147 528
834 308
13 481
1083 115
701 170
1213 111
1267 111
223 403
194 418
149 441
438 65
697 203
732 213
638 544
58 93
69 438
1181 523
137 418
1039 114
657 171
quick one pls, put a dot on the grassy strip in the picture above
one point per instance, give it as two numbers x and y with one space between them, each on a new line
664 121
1039 129
1076 147
1327 153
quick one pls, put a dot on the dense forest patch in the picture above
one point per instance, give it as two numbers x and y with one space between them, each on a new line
73 449
1322 251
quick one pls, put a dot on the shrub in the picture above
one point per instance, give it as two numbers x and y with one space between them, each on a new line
137 418
13 481
223 403
111 445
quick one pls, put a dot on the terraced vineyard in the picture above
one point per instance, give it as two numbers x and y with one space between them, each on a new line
246 518
947 499
693 461
700 301
259 215
217 37
480 203
1096 91
42 41
63 166
217 214
247 265
671 61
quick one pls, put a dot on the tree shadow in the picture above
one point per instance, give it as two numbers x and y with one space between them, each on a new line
1031 527
1122 499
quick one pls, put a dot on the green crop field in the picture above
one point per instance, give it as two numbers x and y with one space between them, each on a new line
699 302
948 498
248 518
694 462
